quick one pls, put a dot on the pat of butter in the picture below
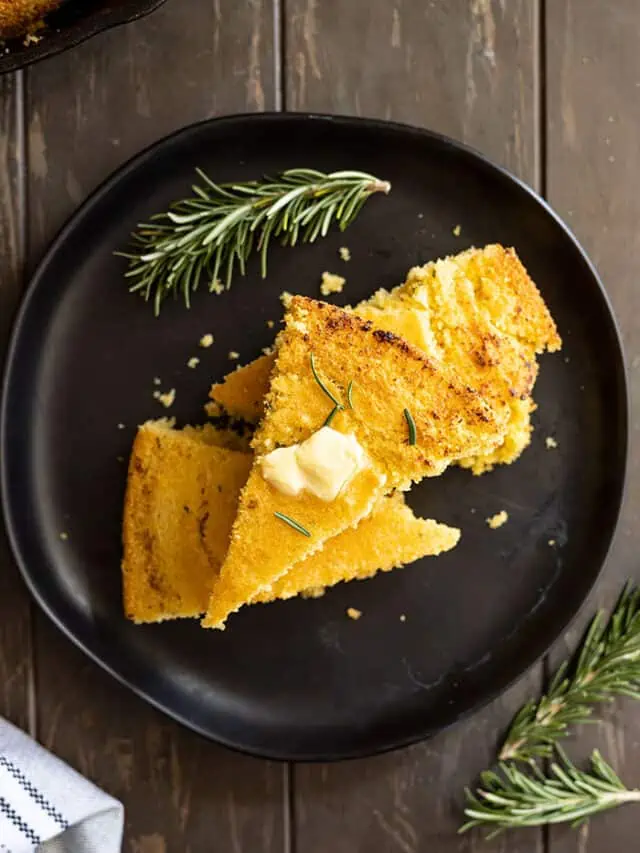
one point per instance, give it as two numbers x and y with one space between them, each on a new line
322 465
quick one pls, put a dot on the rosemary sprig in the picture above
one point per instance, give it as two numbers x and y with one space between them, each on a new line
216 229
517 797
606 665
292 523
411 424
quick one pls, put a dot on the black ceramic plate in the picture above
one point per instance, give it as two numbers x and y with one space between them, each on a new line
72 23
299 679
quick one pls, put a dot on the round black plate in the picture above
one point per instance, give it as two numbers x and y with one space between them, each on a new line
299 679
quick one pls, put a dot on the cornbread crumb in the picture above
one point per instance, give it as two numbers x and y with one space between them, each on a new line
313 592
550 442
217 287
30 38
285 298
156 380
167 399
552 542
121 426
64 536
270 324
267 350
331 283
206 341
457 231
193 362
345 253
498 519
403 618
233 355
354 614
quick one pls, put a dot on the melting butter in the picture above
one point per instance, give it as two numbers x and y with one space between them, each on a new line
322 465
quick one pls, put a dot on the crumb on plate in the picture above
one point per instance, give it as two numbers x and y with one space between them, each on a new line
331 283
354 614
121 426
457 231
206 341
550 442
270 324
285 298
193 362
345 253
403 618
167 399
233 355
498 519
156 380
217 287
64 536
267 350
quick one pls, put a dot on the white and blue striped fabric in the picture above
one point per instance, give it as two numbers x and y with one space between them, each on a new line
46 806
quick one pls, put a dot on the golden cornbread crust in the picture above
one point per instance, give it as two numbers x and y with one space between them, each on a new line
17 16
180 503
388 376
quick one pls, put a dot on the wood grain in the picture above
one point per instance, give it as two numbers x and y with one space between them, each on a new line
593 127
15 639
467 69
89 110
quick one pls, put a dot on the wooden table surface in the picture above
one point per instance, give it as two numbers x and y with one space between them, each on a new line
550 89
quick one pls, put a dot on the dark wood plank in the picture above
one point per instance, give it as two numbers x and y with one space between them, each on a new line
88 111
15 639
469 70
593 126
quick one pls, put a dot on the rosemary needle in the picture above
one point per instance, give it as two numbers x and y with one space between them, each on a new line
292 523
333 413
333 399
412 426
350 394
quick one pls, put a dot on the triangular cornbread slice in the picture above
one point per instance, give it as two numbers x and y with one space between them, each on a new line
478 311
390 537
390 379
241 393
175 537
180 503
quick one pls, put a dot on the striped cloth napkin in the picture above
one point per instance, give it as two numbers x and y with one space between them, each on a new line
47 806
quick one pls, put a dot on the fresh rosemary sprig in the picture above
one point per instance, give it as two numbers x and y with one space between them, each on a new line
515 796
350 394
292 523
216 229
606 665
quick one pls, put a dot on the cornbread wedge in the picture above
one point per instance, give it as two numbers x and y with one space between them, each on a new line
181 500
481 313
175 537
390 378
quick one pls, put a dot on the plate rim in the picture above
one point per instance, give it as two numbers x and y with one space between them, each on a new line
94 199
